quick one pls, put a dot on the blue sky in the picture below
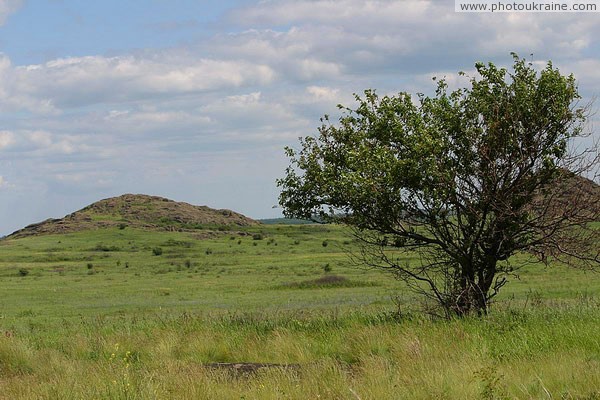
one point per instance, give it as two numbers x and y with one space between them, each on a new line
195 100
43 30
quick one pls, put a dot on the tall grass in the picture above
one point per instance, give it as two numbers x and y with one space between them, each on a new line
540 351
135 325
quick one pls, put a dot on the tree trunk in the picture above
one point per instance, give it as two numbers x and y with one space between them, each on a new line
471 295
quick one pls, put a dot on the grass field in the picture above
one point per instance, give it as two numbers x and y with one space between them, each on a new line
131 314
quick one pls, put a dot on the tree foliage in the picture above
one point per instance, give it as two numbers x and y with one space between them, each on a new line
464 179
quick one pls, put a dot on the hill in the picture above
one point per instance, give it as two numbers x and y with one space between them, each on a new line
139 211
285 221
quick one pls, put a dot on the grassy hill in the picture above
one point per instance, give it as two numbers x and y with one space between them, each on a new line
139 211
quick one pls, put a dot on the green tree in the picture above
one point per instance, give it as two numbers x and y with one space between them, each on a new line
463 179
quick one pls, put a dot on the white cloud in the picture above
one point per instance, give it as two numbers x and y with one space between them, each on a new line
563 35
7 138
315 69
413 36
295 54
39 143
4 184
587 72
81 81
329 41
244 99
323 93
16 94
331 12
250 117
132 125
7 7
40 138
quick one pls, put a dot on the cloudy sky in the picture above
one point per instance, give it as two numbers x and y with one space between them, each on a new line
195 100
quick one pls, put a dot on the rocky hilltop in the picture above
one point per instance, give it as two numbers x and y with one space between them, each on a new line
139 211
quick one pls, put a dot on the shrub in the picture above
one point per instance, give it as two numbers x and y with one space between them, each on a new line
208 251
23 271
326 281
122 226
90 265
103 247
257 236
325 243
157 251
327 268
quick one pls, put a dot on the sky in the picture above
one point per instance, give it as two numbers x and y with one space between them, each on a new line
195 100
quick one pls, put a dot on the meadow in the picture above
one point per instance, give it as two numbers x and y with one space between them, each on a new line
133 314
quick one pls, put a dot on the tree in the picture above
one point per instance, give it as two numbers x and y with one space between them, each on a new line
462 181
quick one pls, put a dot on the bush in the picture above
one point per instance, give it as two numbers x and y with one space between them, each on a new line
90 266
257 236
122 226
325 243
23 271
157 251
327 268
103 247
327 281
208 251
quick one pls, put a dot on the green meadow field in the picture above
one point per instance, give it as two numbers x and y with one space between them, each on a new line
136 314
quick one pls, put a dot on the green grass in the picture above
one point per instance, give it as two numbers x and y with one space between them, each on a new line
99 315
229 273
